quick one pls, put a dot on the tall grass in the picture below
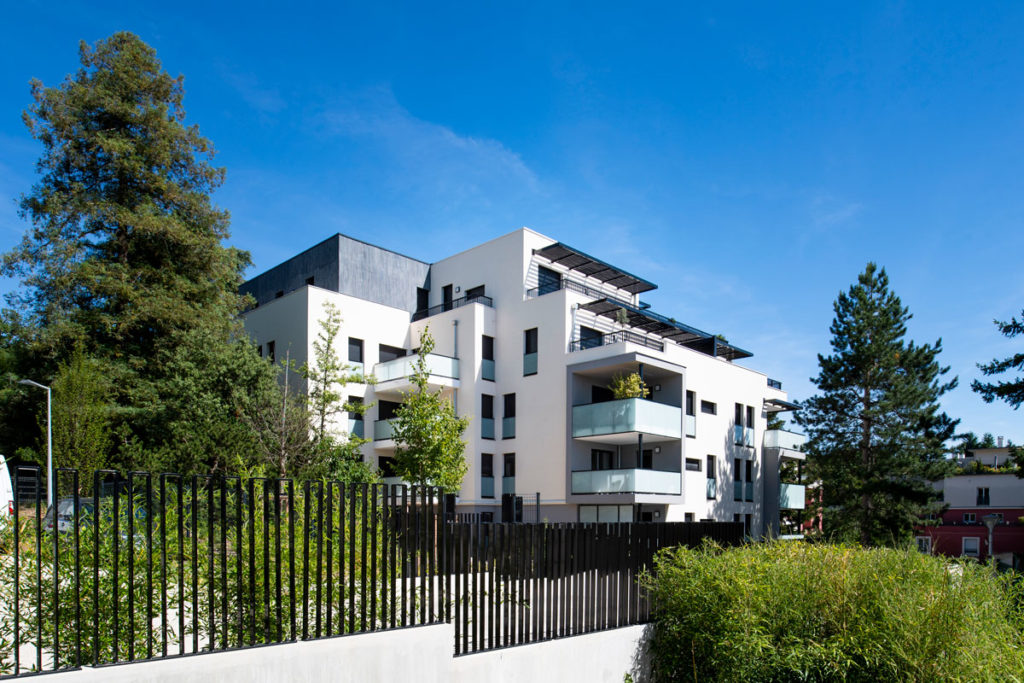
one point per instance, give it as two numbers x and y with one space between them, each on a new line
800 612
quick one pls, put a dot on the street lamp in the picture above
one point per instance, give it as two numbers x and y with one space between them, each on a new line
49 438
990 521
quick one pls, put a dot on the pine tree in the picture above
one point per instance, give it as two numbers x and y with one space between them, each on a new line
429 449
877 436
125 253
1012 391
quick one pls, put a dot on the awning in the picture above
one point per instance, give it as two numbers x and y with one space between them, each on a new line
576 260
777 405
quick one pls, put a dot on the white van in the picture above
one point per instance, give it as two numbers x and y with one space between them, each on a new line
6 492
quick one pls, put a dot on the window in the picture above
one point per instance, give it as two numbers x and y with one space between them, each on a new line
270 351
487 347
386 466
486 407
601 459
387 353
508 421
738 415
589 337
510 405
646 459
487 475
548 280
750 486
510 465
737 480
692 465
386 410
969 518
709 408
310 280
924 544
279 294
983 496
530 352
688 517
691 399
711 467
422 299
259 350
446 298
971 546
474 293
355 350
748 523
356 412
750 417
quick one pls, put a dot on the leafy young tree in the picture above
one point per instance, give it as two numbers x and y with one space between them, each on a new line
1010 391
429 449
876 433
82 435
124 255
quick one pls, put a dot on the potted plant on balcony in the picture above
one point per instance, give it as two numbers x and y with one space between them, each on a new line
629 386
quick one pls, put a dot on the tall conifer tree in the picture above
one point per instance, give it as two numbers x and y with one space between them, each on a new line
877 436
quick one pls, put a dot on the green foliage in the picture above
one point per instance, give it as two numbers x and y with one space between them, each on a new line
81 415
1011 391
429 449
801 612
124 256
629 386
876 435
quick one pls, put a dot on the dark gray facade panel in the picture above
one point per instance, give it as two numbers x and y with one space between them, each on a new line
346 265
379 275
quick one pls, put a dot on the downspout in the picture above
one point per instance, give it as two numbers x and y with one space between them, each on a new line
455 354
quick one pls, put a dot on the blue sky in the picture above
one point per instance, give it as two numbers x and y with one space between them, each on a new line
748 159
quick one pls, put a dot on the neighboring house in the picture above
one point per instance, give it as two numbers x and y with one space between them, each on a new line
529 334
986 485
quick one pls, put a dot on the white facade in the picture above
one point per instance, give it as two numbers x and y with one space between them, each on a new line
569 442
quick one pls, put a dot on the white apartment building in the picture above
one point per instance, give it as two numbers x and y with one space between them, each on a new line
529 334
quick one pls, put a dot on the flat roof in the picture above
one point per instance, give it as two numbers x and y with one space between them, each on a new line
583 263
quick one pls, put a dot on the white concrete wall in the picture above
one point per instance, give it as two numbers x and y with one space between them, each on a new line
1005 490
422 654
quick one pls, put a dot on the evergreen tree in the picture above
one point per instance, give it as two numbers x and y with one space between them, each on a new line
1010 391
429 449
124 256
876 435
81 416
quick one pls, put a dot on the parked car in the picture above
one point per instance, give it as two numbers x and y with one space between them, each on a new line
66 514
6 491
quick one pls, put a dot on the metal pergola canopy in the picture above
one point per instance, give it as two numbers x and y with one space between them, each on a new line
777 405
582 263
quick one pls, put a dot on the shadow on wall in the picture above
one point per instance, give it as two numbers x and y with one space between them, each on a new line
640 671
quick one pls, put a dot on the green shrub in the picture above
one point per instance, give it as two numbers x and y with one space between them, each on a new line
800 612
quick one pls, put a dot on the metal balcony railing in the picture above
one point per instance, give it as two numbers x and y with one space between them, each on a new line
615 338
456 303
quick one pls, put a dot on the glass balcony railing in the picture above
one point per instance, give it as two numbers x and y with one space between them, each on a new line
627 415
382 430
627 481
355 428
437 365
487 487
508 485
508 427
743 436
791 496
487 427
690 425
749 490
712 488
487 369
737 490
780 438
530 364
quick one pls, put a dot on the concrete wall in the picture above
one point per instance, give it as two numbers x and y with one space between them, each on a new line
423 654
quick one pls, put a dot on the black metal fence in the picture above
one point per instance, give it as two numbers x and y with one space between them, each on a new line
142 566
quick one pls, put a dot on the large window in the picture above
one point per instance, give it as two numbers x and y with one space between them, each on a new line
601 459
487 416
691 400
530 352
487 357
487 475
508 417
390 352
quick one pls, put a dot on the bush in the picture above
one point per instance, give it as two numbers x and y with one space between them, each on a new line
800 612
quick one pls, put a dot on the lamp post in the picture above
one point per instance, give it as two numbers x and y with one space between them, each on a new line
49 438
990 521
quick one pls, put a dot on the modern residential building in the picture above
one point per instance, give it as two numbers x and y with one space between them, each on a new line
986 485
529 334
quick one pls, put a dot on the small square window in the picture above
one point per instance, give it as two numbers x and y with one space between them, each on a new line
971 546
708 407
969 518
692 465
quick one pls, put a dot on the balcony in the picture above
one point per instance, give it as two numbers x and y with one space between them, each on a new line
457 303
791 496
789 444
622 336
627 481
622 421
382 430
508 427
743 436
712 489
395 376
